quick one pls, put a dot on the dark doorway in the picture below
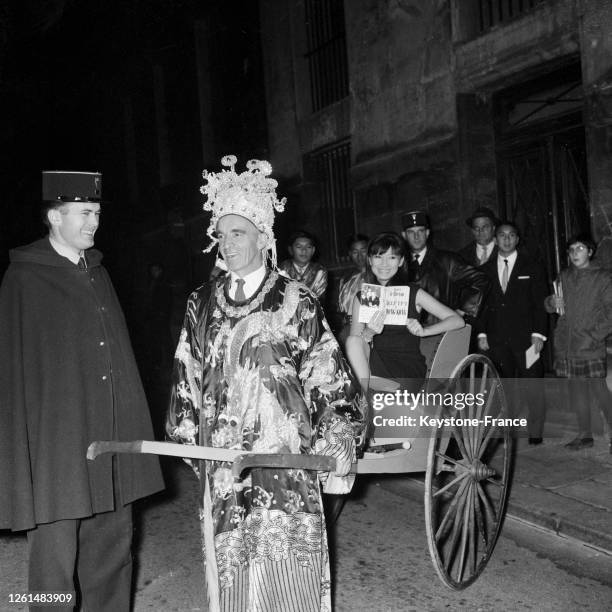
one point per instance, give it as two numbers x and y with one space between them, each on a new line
541 160
544 189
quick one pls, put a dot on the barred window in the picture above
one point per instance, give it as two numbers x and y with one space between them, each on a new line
326 52
329 168
494 12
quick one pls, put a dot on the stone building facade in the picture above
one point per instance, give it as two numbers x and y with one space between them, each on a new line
377 107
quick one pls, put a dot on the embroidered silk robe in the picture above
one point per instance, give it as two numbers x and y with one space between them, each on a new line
349 287
314 276
264 375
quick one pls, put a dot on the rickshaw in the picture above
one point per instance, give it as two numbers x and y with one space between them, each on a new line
467 466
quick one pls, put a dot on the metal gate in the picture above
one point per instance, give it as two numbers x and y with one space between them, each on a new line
543 187
329 168
542 168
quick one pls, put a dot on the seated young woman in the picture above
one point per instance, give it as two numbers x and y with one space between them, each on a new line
392 351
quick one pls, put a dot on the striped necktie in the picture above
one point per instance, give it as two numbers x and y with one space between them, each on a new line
82 263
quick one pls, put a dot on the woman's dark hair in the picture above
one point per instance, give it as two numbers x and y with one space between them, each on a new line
381 244
583 238
385 241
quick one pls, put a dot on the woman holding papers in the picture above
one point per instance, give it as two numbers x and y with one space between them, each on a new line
384 340
583 298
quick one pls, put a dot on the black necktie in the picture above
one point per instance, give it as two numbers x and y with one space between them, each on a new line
82 263
413 268
239 296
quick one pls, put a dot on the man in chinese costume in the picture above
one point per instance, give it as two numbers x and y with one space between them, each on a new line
258 369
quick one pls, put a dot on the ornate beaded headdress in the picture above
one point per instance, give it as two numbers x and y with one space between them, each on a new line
250 194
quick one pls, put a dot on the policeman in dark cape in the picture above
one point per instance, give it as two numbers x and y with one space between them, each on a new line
68 377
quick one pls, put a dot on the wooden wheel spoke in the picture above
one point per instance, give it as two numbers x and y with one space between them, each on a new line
449 459
490 397
447 486
478 526
475 434
472 377
474 410
457 523
486 503
471 411
463 443
487 439
475 532
450 511
481 527
443 467
465 532
488 511
481 410
484 378
480 448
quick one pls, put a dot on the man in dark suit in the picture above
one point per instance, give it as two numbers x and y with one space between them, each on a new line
513 319
442 274
483 248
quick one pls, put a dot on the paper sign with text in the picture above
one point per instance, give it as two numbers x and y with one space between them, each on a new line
394 299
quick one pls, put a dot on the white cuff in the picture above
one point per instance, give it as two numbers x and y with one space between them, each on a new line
338 485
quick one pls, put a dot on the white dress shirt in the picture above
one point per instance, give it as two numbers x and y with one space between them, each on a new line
501 264
484 252
420 256
251 282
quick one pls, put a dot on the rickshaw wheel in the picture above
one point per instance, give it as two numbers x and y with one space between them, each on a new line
468 472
